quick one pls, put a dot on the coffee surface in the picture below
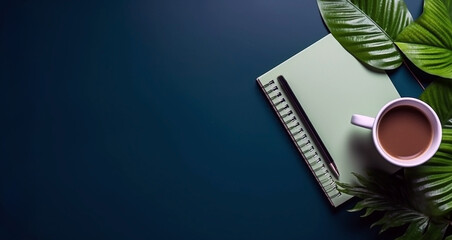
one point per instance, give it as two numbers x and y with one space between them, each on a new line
404 132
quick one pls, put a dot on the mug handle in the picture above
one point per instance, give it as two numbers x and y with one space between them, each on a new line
363 121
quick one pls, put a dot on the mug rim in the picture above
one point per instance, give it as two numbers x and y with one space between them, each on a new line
433 119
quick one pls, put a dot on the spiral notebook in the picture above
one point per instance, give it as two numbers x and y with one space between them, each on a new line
330 85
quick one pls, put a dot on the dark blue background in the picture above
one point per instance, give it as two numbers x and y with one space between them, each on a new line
142 120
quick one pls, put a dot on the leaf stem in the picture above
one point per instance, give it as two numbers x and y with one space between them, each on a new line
412 73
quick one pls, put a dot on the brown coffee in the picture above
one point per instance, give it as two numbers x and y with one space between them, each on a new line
405 132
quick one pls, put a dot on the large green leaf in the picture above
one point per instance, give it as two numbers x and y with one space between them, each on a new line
367 28
432 182
428 41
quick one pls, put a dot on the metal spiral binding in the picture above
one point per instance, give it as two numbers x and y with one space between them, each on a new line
301 140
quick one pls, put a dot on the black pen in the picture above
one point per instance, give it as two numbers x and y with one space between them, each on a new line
304 118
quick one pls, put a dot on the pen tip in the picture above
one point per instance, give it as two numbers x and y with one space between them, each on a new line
334 168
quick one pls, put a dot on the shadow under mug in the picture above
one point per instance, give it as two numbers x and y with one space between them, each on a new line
374 124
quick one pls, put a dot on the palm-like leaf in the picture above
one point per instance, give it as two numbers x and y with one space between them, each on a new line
428 41
432 181
367 28
448 4
380 191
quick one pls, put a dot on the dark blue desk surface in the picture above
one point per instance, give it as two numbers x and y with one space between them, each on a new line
142 120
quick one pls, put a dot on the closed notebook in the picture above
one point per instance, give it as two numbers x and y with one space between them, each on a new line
331 85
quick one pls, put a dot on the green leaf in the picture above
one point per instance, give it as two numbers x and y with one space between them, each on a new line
367 28
428 41
432 182
428 230
439 96
401 217
435 230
